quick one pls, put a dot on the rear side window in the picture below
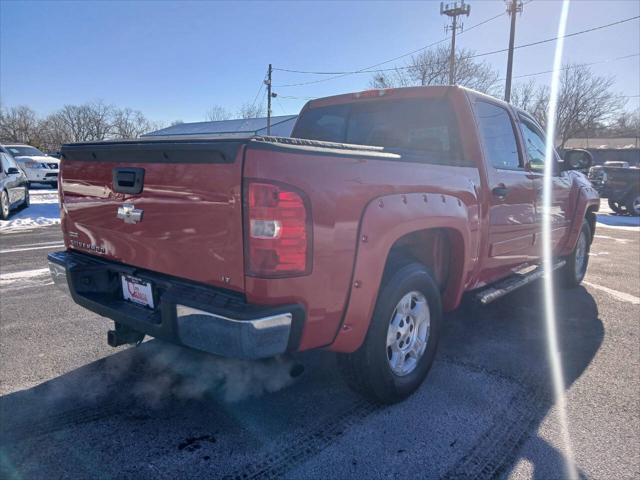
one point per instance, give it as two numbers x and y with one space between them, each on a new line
420 130
534 144
498 136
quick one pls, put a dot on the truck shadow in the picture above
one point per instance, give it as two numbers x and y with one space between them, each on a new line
159 411
510 336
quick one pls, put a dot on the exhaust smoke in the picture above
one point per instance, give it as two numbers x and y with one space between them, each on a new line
178 372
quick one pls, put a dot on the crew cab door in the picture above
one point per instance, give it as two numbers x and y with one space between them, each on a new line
511 200
534 148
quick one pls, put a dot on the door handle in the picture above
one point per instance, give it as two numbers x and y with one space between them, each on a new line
500 191
128 180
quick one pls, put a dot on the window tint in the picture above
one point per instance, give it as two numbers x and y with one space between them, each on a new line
498 137
419 130
534 144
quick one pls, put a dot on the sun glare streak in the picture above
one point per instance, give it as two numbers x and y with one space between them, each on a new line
550 315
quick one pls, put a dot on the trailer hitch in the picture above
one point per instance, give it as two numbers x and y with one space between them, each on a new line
123 335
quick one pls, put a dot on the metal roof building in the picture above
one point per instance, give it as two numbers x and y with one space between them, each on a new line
281 126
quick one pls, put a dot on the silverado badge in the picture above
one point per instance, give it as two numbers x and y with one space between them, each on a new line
129 213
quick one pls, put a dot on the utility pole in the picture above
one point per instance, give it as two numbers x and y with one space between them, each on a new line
453 10
268 83
513 7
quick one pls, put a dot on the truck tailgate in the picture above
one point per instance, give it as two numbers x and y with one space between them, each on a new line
189 208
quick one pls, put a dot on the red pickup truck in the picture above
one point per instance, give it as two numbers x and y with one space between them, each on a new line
384 209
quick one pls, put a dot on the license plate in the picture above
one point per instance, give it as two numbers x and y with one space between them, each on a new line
137 291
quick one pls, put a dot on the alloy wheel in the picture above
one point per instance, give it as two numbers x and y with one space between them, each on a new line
408 333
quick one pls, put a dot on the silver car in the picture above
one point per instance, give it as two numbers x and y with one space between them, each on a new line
38 166
14 192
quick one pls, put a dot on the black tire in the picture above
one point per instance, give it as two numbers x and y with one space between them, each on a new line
5 206
633 204
368 370
618 207
571 275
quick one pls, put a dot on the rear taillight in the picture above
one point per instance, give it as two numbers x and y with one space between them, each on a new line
277 230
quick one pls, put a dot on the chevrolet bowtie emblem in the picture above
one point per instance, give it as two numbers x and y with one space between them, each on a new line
129 213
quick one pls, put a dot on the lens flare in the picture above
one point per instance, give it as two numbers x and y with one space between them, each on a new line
550 315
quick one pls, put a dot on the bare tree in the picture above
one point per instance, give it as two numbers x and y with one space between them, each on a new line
128 123
526 96
626 125
431 67
249 110
54 133
216 113
88 122
19 125
587 103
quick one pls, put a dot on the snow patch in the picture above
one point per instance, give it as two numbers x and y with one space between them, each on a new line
25 278
42 212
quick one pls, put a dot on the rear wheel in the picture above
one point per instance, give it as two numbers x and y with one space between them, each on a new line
4 205
576 267
401 343
633 204
617 207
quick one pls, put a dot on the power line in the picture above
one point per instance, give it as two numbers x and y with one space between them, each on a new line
577 65
280 105
540 42
372 69
404 55
253 104
368 69
566 67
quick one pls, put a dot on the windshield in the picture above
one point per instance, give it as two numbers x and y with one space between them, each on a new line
418 129
25 151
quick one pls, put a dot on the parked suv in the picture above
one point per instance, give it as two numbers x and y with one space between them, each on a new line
619 183
38 166
386 209
14 190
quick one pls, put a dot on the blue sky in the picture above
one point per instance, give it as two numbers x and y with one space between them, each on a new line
173 60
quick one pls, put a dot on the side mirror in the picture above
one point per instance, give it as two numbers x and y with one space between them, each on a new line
13 171
577 160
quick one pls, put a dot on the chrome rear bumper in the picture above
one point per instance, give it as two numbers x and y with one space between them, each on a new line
196 316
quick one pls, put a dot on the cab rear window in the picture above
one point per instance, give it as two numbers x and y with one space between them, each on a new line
420 130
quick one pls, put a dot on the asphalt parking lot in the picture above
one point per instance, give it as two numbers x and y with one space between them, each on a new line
72 407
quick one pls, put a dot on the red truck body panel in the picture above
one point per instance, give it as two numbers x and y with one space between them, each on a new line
192 224
360 204
339 201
